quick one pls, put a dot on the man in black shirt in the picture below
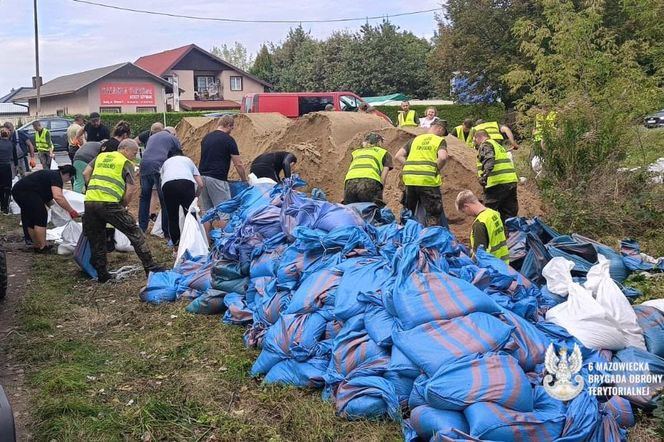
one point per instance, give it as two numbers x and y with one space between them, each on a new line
218 150
94 130
271 164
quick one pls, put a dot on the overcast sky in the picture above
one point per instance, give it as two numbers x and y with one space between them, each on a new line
75 37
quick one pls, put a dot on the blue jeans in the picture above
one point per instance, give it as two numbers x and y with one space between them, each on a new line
148 182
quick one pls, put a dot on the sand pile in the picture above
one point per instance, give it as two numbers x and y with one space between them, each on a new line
323 143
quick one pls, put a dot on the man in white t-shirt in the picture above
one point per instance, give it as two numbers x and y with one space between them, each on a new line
180 183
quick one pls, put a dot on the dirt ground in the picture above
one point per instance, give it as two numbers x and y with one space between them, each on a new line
323 143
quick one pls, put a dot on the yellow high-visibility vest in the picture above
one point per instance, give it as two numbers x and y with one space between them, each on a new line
367 163
503 170
421 168
42 141
462 136
492 128
497 240
107 183
408 121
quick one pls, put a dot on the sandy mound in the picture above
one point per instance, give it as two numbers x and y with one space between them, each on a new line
323 142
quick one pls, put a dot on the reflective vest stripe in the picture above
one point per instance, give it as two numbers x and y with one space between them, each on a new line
107 190
496 232
40 141
109 179
408 121
107 183
492 128
367 163
421 168
503 170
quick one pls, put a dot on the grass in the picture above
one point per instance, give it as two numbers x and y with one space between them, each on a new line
102 366
650 147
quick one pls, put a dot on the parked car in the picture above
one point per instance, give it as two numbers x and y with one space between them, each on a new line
56 125
296 104
654 120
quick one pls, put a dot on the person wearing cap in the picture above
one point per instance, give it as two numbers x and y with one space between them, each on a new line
407 117
464 132
497 175
487 230
111 186
423 159
272 164
73 141
161 146
367 172
94 130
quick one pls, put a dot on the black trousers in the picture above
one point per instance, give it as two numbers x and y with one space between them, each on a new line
426 205
177 194
503 199
5 186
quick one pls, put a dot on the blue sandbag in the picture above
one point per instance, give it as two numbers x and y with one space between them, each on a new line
631 253
400 363
608 431
489 377
428 421
582 418
315 292
368 397
621 410
655 366
417 394
161 287
379 324
272 302
618 270
307 374
402 385
366 276
530 343
82 254
237 313
210 303
425 297
651 321
489 421
236 187
431 345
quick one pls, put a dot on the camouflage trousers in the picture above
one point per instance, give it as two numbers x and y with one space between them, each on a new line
95 218
363 190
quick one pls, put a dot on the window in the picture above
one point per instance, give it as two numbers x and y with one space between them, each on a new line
314 104
348 103
206 87
146 109
59 125
236 83
109 110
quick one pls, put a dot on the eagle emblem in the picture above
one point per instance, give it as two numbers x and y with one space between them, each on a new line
563 367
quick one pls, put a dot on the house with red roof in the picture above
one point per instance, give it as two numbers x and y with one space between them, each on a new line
204 81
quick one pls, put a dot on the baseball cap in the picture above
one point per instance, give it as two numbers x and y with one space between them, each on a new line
373 138
439 122
94 115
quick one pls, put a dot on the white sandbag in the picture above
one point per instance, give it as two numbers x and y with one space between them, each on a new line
557 275
611 298
193 237
14 208
253 180
122 243
55 234
70 234
657 303
54 164
585 319
59 216
156 227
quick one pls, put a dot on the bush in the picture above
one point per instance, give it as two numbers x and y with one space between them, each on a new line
453 113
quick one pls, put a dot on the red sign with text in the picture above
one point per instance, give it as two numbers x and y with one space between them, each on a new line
126 93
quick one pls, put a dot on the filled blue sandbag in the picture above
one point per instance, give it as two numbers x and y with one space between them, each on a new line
631 253
488 421
425 297
400 363
529 344
433 344
618 270
201 280
210 303
427 421
307 374
621 410
403 385
271 302
236 187
654 365
266 263
366 276
316 291
82 255
651 321
608 430
237 311
581 419
368 397
489 377
417 394
161 287
379 324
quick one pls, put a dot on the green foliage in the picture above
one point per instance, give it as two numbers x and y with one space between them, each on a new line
262 67
236 55
454 114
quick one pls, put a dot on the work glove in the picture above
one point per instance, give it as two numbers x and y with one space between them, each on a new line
73 214
33 163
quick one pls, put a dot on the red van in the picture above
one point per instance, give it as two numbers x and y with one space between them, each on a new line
296 104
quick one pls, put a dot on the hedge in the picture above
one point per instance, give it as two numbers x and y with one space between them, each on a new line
453 113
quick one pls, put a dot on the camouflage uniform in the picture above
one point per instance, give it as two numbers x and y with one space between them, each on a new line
363 190
95 218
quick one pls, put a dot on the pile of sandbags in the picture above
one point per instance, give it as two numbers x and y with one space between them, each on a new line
397 321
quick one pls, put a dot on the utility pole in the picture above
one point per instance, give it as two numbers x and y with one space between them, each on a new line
37 78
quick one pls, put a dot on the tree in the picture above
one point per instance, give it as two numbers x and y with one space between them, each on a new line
236 55
262 67
294 62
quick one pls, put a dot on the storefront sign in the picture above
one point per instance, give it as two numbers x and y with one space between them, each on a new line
126 93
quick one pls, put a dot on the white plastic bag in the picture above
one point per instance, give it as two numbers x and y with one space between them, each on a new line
614 303
557 275
585 319
193 237
156 227
69 238
54 164
122 243
657 303
59 216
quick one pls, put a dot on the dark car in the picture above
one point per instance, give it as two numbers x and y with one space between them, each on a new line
57 126
654 120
